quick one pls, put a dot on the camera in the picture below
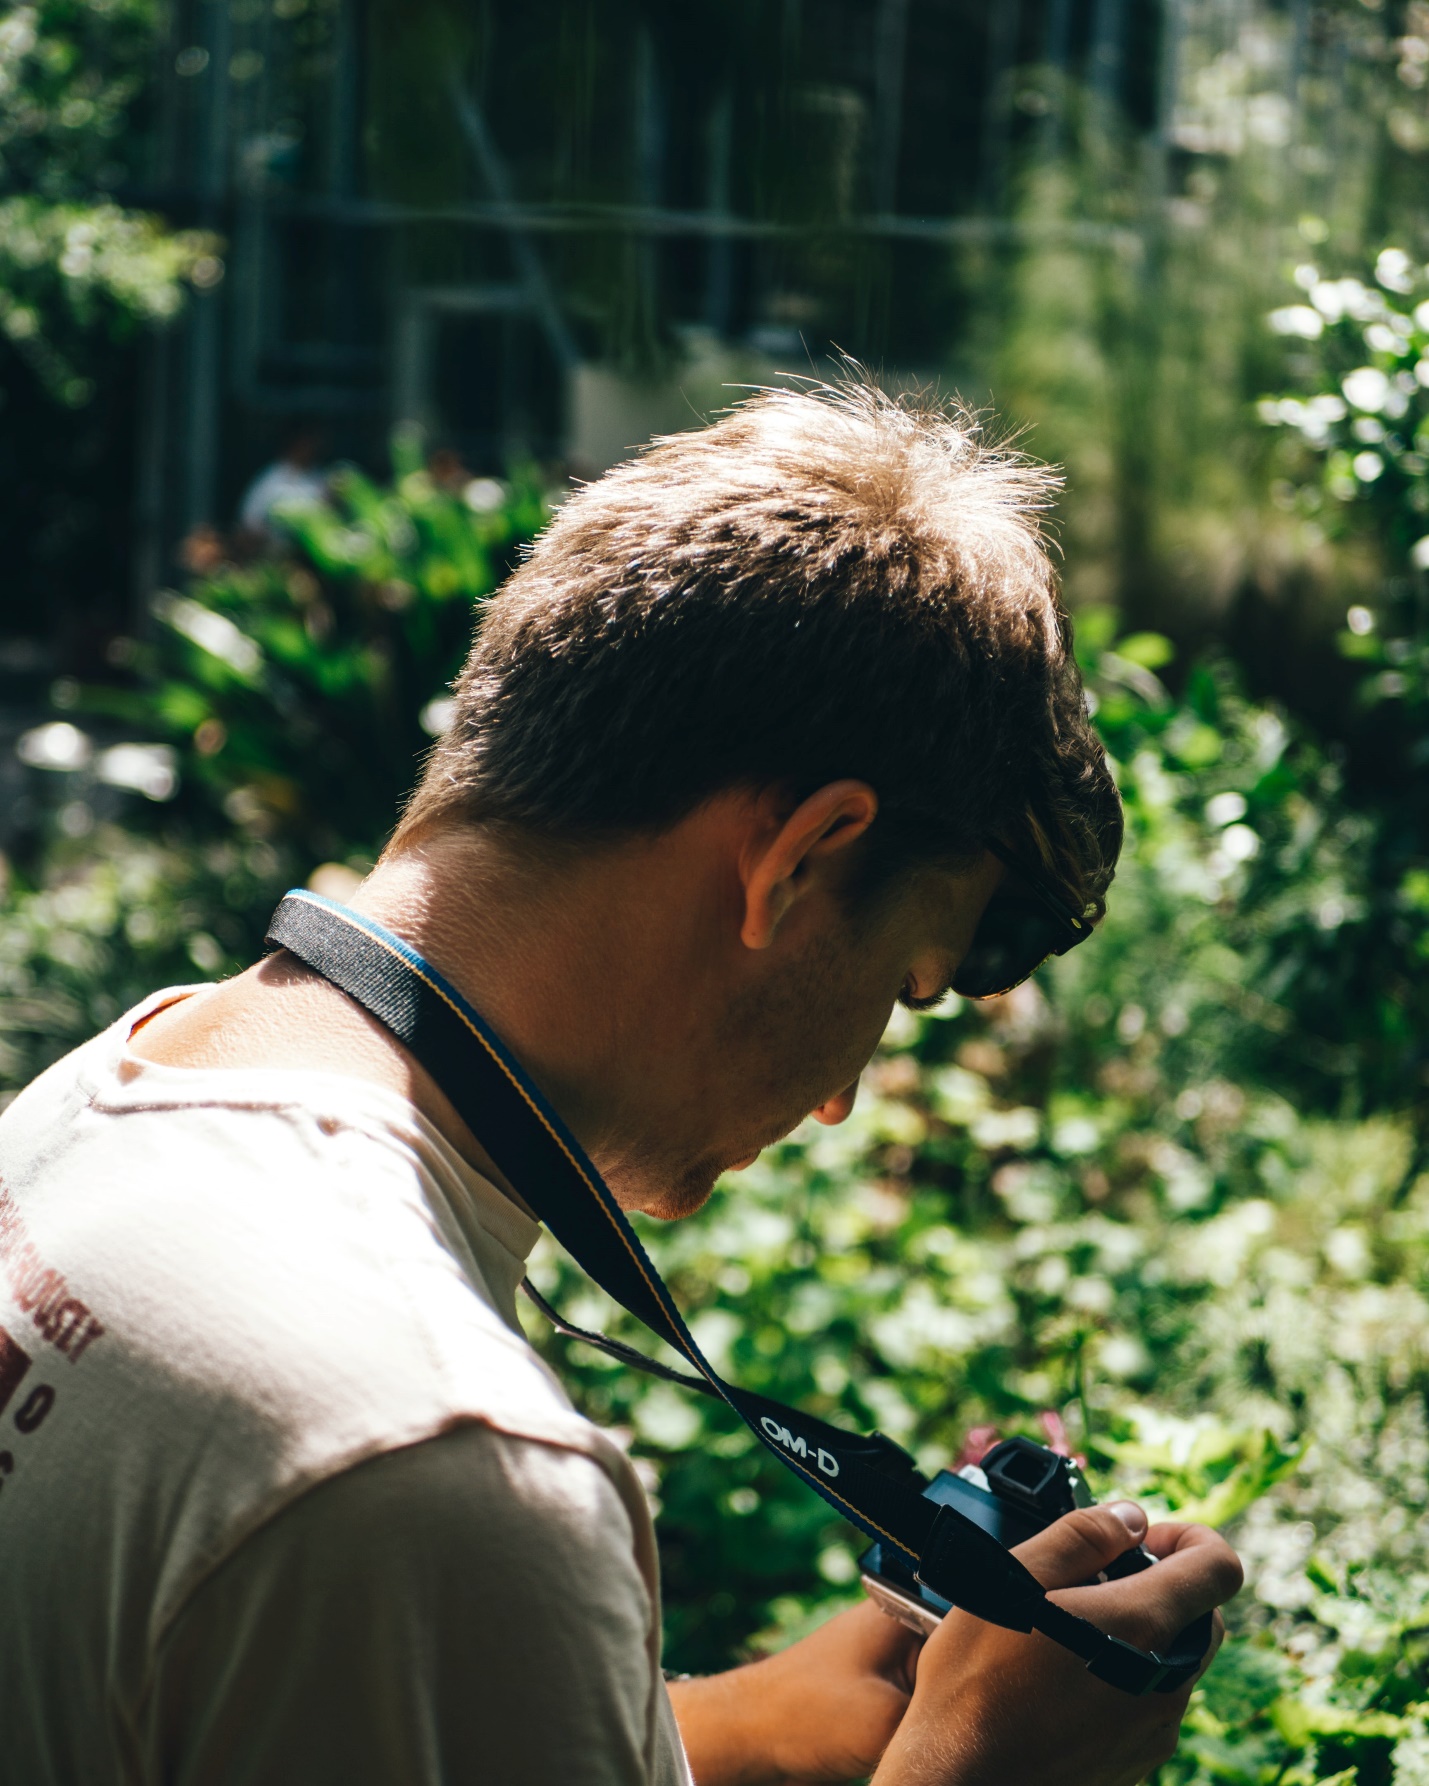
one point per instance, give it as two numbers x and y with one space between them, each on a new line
1018 1488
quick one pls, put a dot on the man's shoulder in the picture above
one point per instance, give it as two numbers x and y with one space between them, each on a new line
271 1295
476 1597
471 1497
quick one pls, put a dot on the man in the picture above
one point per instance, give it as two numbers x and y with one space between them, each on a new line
293 480
286 1496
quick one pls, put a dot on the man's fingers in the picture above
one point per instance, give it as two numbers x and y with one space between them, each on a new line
882 1645
1218 1637
1197 1554
1201 1573
1079 1546
1172 1535
1163 1538
1196 1571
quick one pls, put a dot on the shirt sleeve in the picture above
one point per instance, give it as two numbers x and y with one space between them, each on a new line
465 1610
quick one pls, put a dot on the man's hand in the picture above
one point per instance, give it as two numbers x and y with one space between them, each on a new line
823 1710
990 1707
997 1708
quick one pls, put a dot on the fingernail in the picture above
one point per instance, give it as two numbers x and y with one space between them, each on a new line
1131 1517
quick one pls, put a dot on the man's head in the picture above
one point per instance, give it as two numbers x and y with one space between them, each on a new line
822 585
302 446
820 642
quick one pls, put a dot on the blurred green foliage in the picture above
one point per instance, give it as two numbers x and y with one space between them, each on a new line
295 696
1356 458
302 690
1172 1193
75 263
1353 454
117 914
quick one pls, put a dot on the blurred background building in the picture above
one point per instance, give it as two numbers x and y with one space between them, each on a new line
544 230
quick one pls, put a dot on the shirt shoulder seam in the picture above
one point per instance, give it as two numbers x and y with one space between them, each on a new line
577 1442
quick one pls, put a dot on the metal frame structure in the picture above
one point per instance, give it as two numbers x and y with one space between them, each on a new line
330 304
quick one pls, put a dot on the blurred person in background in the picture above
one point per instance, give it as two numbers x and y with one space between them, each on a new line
738 761
203 550
292 479
448 470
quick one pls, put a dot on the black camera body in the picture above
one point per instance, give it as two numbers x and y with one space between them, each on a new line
1019 1488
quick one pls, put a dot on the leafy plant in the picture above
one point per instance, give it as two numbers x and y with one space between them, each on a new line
299 692
1355 458
73 259
116 916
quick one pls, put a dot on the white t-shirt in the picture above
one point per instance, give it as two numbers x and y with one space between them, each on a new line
280 484
286 1499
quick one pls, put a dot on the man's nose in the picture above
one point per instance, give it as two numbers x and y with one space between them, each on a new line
837 1108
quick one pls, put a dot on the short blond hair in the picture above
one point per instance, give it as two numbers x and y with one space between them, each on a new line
827 582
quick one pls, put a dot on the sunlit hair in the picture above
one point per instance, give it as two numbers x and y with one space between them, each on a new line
828 582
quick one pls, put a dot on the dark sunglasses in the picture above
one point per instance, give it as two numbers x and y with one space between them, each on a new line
1027 919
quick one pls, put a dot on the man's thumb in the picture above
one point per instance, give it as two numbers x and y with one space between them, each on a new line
1077 1547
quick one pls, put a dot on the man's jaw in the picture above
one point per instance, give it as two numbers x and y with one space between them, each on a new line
782 1133
669 1191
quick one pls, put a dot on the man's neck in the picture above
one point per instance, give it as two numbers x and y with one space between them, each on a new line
567 957
565 960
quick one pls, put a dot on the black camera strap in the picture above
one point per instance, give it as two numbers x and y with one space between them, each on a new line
870 1481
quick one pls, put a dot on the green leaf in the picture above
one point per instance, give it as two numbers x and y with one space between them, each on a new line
1299 1722
1094 630
1196 747
1320 1576
1153 651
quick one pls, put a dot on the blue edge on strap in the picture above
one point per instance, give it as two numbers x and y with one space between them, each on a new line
870 1481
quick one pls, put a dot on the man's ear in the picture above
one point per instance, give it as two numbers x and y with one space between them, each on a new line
777 861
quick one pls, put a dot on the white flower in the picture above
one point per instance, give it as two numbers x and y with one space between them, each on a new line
1297 319
1337 298
58 745
1225 809
1411 1755
1394 270
484 494
437 716
148 769
1240 843
1366 388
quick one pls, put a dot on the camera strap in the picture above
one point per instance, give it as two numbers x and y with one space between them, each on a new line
870 1481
